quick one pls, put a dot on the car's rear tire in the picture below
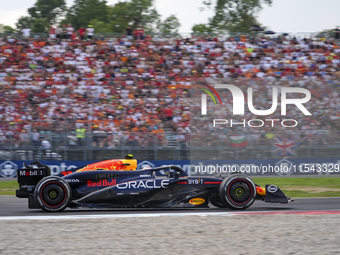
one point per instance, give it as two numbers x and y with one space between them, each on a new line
52 194
237 192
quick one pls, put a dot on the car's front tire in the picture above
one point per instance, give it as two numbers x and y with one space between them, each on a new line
52 194
237 192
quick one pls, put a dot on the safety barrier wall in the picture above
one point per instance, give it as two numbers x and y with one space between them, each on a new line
218 168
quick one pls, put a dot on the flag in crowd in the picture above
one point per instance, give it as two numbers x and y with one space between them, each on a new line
284 146
238 141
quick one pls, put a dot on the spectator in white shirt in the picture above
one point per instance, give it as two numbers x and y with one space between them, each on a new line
26 32
69 31
45 144
90 32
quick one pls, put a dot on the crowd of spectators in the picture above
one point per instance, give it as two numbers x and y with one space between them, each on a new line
125 91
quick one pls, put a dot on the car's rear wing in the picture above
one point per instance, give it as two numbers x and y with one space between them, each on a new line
29 176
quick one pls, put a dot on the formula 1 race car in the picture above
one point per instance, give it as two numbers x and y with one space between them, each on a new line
98 188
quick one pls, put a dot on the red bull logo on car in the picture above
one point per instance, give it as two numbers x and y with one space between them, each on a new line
101 183
261 191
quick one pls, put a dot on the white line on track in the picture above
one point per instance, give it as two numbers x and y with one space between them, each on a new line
149 215
103 216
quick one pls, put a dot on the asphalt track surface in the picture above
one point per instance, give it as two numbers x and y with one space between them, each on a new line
13 206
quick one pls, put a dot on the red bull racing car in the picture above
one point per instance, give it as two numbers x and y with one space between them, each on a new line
117 184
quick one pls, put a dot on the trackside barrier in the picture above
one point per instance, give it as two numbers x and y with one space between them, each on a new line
281 167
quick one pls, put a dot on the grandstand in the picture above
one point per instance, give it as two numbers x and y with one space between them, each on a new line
104 97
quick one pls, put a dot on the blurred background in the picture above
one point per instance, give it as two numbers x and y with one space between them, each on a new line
92 81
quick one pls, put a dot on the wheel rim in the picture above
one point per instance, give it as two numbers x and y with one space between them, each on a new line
240 191
53 194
